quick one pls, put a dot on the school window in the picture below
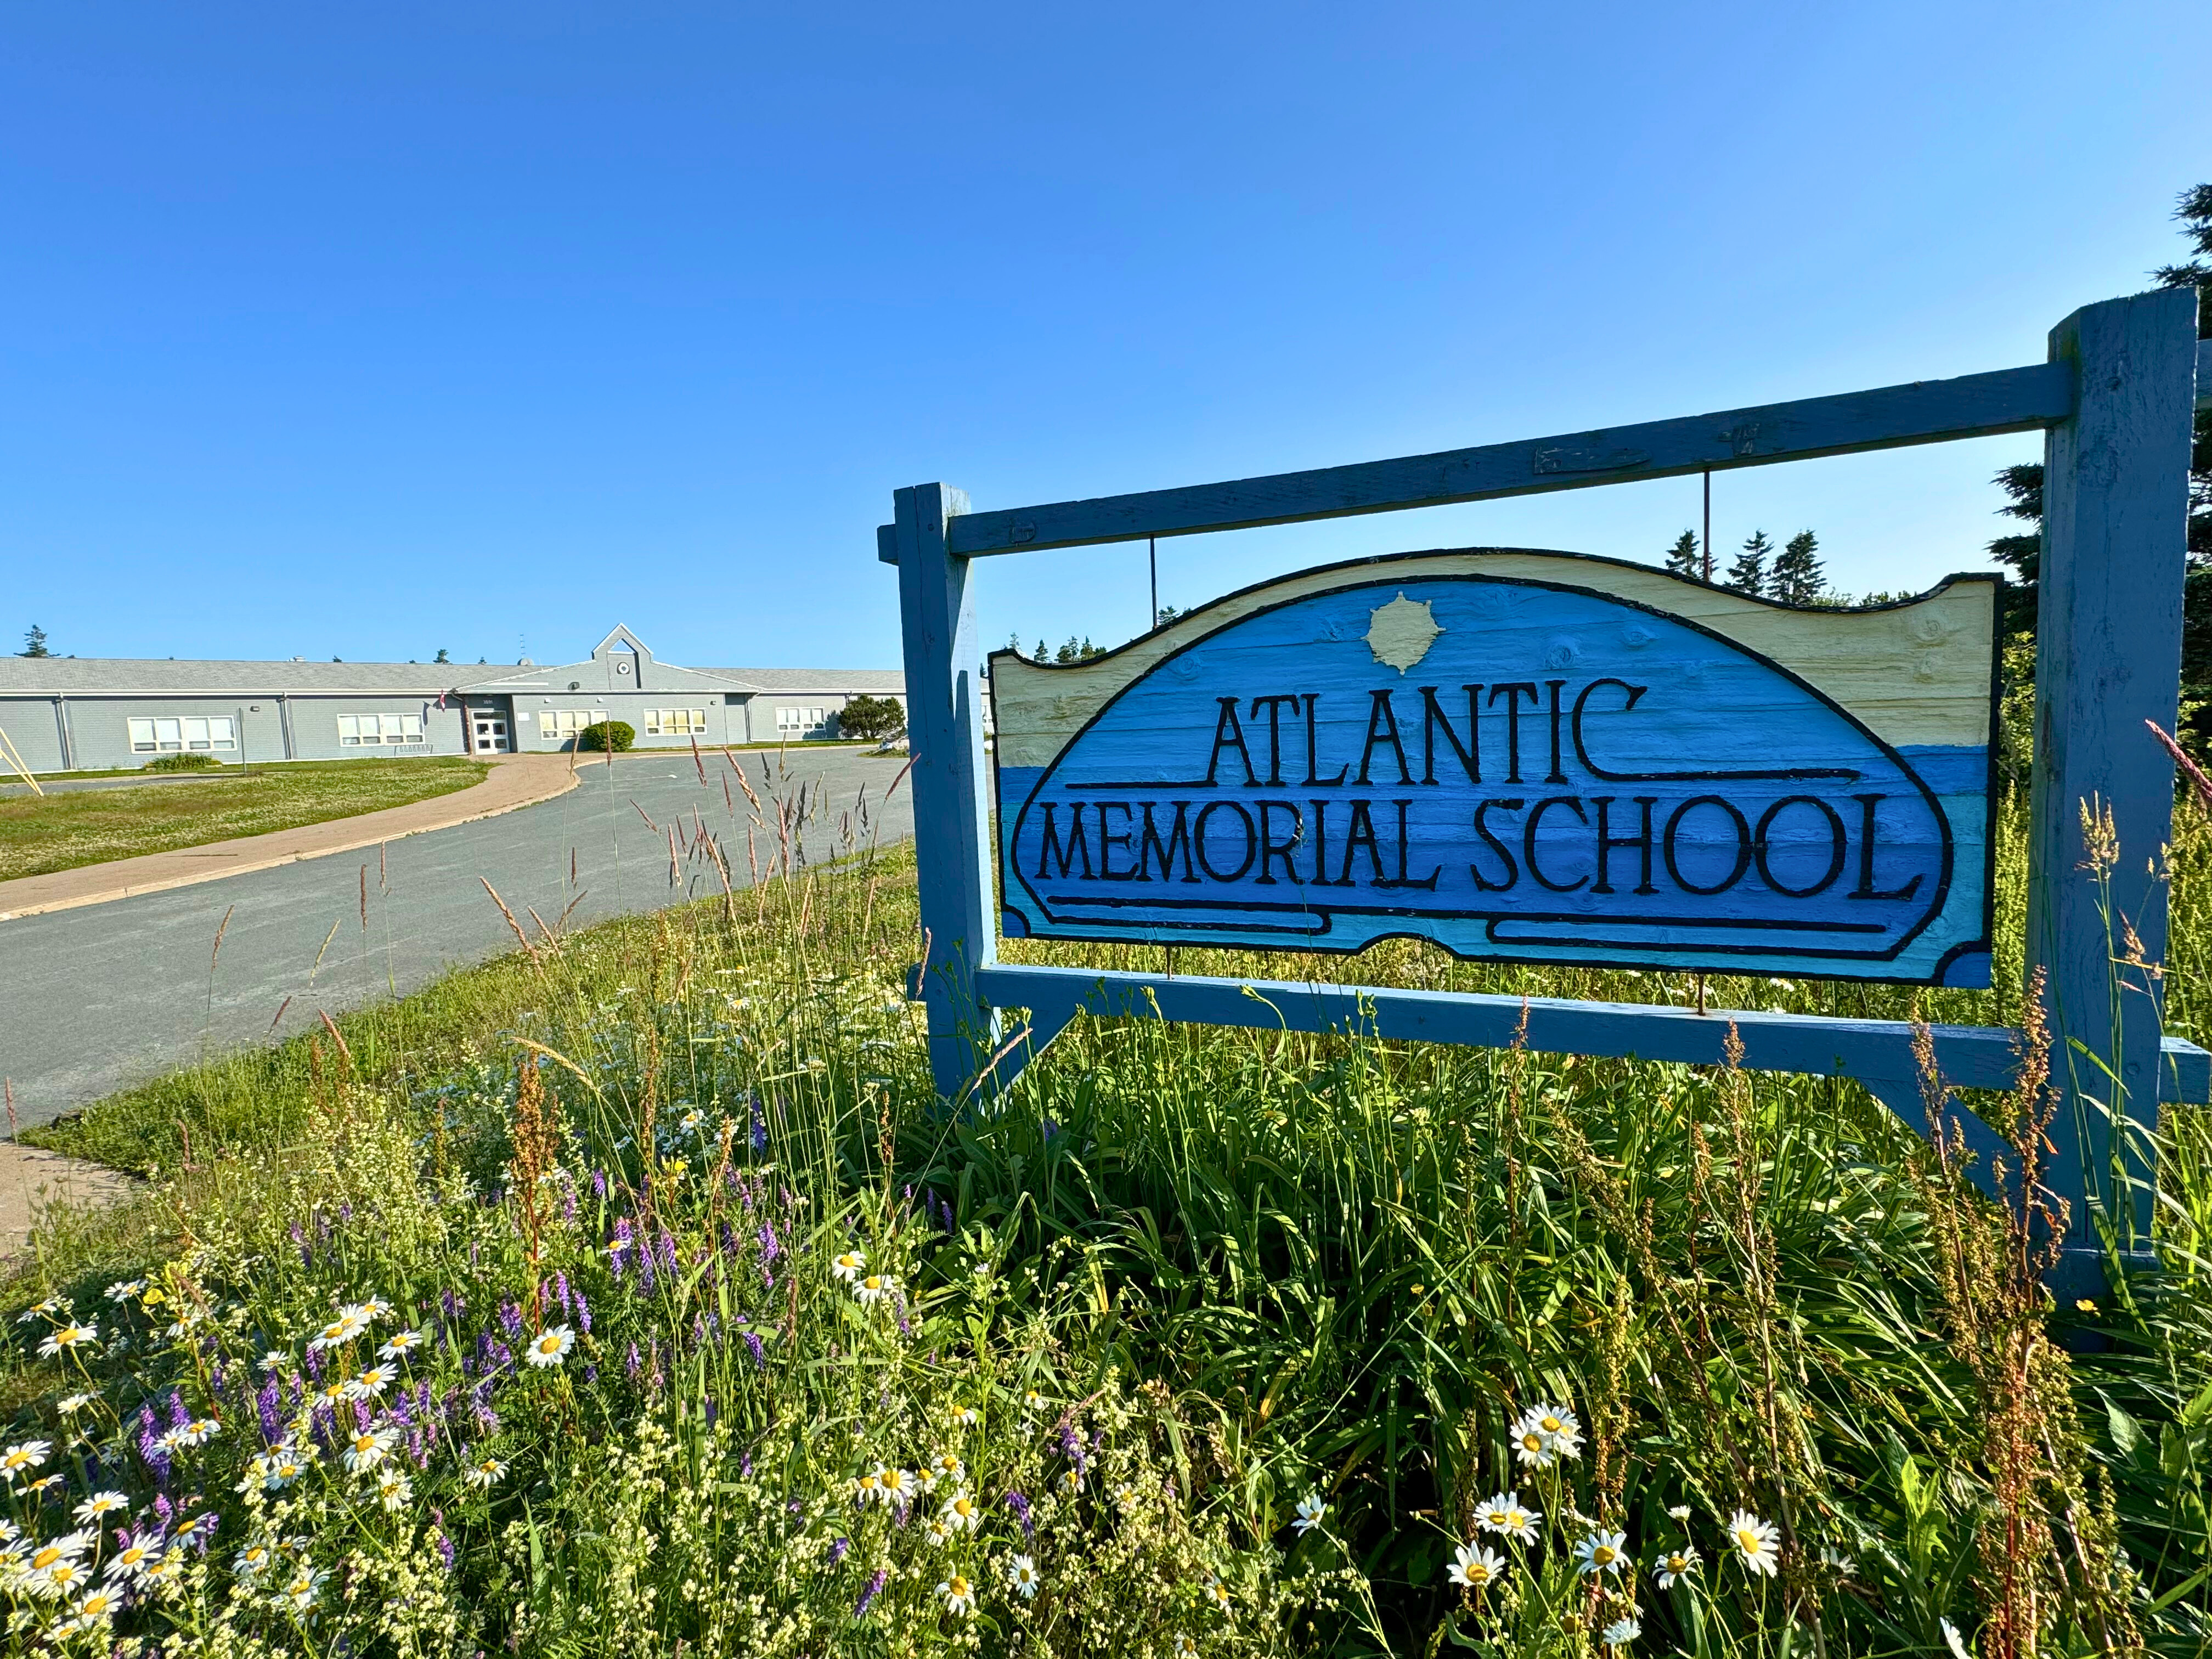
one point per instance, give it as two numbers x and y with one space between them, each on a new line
165 736
800 719
363 731
556 723
675 722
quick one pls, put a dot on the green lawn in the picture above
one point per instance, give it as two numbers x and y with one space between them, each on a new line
68 829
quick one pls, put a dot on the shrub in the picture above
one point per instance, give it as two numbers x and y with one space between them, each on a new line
186 761
601 736
872 719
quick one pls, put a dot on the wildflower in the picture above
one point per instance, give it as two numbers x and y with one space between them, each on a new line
1674 1565
1214 1591
849 1265
172 1440
1758 1543
1843 1565
51 1554
1506 1515
62 1337
52 1305
1182 1647
551 1347
97 1607
253 1560
394 1490
100 1504
485 1472
874 1588
71 1404
45 1484
959 1594
962 1513
23 1457
1601 1552
943 1466
130 1561
199 1431
370 1383
1475 1566
1620 1633
935 1534
875 1288
123 1288
2084 1304
1023 1574
302 1590
962 1417
62 1578
1071 1482
368 1448
1954 1641
284 1467
1032 1401
195 1526
868 1487
1310 1510
340 1331
689 1123
375 1308
1545 1432
275 1360
160 1577
399 1344
1530 1447
1679 1511
895 1485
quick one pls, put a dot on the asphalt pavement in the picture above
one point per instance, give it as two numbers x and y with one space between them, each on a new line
95 1000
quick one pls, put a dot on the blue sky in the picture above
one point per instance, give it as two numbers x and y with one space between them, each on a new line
365 331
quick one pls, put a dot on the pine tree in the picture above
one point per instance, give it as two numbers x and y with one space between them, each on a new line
442 656
1072 652
34 643
1683 558
1798 578
1042 653
1748 573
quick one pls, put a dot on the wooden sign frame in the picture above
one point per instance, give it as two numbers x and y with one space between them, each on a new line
2116 401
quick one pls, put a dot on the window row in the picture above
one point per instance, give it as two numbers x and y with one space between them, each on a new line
568 722
676 722
800 719
162 735
360 731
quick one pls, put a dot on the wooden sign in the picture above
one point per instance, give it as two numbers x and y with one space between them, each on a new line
1522 756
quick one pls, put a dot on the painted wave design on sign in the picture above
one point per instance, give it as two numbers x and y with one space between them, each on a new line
1516 769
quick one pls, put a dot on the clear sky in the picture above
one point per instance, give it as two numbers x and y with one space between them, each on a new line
368 330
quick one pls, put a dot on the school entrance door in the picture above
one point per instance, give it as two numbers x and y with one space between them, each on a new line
487 732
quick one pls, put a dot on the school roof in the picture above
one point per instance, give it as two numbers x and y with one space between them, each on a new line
94 676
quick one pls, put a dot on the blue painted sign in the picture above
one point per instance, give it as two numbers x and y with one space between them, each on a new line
1522 756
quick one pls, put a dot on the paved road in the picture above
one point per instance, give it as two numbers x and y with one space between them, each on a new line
94 1000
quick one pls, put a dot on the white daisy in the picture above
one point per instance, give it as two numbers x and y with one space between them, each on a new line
123 1288
849 1265
253 1560
1601 1552
375 1308
1024 1576
302 1590
52 1305
551 1346
100 1504
400 1344
1954 1641
1758 1543
340 1331
394 1490
896 1486
1310 1510
132 1561
62 1337
867 1488
933 1534
285 1466
22 1457
1475 1566
97 1607
1183 1647
1620 1633
71 1404
943 1467
485 1472
62 1579
371 1382
200 1431
962 1417
876 1287
275 1360
959 1594
962 1513
1679 1562
368 1448
1032 1401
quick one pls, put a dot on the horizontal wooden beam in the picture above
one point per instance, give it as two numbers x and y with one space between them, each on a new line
1873 1050
1926 411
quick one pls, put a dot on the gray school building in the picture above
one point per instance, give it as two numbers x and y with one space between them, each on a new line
72 713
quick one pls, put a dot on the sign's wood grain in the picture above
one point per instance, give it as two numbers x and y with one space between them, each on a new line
1522 756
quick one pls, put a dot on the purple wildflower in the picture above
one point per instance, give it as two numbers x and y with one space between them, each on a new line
451 1304
315 1365
583 1314
837 1550
268 1408
1020 1506
753 1341
760 1125
599 1185
875 1588
510 1319
631 1364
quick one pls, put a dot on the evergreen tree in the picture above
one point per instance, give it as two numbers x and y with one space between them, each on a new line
442 656
34 643
1683 558
1748 573
1042 653
2022 554
1798 578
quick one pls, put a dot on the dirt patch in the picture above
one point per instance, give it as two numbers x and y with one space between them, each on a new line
32 1179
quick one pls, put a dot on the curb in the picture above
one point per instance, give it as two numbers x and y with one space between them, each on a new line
568 781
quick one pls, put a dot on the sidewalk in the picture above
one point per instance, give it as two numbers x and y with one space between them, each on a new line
514 780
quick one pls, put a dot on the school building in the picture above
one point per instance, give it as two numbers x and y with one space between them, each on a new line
72 713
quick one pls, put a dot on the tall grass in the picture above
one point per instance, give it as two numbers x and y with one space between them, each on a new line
1236 1270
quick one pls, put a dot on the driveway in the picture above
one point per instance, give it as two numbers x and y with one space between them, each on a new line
95 1000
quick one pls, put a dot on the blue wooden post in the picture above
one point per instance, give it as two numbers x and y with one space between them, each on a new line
2108 652
952 799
